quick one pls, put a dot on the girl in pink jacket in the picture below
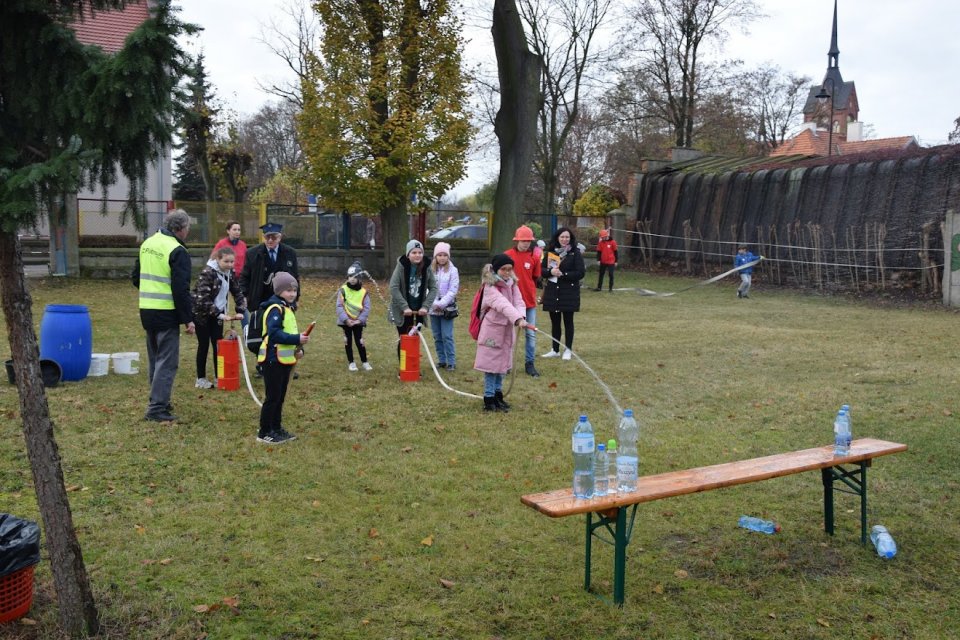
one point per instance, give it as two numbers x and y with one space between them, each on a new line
502 309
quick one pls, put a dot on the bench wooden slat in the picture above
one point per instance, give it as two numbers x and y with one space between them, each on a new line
561 502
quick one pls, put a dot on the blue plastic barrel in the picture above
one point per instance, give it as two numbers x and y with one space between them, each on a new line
67 338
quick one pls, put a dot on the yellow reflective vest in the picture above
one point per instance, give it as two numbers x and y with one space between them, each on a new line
352 301
156 291
285 352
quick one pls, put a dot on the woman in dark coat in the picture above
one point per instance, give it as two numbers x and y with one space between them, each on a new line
562 270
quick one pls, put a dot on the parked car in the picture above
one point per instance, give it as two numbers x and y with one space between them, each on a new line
464 231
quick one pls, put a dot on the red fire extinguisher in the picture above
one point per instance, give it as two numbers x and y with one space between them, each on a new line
228 362
410 357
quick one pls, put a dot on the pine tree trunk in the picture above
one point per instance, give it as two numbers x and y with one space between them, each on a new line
516 122
78 612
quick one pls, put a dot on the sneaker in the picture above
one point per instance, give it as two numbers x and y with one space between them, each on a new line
366 366
567 354
285 434
441 365
274 437
532 370
551 354
163 416
352 367
203 383
739 294
598 289
451 367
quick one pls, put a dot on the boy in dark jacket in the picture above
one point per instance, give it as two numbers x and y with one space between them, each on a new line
279 352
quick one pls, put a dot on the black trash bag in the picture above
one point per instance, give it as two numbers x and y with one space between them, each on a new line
19 544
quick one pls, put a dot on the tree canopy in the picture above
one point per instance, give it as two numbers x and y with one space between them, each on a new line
384 107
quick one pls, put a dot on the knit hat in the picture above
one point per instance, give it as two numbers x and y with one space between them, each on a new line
414 244
283 281
442 247
604 233
500 260
355 270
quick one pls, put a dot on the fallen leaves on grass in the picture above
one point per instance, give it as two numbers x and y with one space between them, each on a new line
373 533
681 574
428 541
823 623
231 602
406 449
447 584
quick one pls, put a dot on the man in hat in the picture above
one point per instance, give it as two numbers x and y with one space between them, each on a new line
162 273
263 261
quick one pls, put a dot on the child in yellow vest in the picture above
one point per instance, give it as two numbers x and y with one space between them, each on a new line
279 352
353 309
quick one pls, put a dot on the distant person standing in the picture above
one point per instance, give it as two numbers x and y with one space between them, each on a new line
526 270
607 256
265 260
162 274
234 242
746 275
563 270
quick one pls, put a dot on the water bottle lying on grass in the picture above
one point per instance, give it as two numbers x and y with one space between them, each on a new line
758 524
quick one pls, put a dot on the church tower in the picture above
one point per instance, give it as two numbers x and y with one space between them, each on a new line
846 109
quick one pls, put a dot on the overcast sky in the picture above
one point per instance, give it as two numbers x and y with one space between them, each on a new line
903 56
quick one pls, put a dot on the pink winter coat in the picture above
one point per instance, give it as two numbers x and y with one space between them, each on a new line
503 306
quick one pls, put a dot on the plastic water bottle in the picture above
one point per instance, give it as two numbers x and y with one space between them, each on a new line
883 541
611 466
601 473
841 434
758 524
846 410
628 432
583 458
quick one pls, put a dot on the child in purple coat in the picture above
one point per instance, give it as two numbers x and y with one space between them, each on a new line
502 310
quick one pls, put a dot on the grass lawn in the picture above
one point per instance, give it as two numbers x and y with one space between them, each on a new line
397 514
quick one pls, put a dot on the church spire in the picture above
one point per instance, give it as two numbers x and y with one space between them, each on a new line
834 54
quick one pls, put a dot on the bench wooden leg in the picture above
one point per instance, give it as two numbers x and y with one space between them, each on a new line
856 482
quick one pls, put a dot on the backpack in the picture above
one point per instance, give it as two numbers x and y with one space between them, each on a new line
255 328
475 316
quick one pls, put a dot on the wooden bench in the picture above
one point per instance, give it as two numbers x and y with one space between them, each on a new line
838 473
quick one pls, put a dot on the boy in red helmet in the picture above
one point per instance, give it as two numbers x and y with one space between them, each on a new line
527 271
607 256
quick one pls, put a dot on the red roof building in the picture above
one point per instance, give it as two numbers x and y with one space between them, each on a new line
108 29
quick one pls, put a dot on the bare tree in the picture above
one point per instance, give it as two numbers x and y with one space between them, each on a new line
293 40
519 71
271 137
563 33
774 100
669 47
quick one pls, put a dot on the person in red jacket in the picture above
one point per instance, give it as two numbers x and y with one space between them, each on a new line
527 270
607 256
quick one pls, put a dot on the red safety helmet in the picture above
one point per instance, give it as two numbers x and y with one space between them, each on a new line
523 233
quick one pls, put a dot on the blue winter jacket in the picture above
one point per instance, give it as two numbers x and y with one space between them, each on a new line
744 258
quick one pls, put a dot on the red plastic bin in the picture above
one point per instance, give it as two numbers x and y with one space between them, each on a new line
16 594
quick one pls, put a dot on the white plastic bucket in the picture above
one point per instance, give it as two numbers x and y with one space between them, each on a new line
123 362
99 364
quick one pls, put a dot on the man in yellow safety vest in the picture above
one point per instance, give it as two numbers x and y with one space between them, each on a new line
162 273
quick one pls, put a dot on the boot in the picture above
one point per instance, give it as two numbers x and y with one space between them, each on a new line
532 370
489 404
500 403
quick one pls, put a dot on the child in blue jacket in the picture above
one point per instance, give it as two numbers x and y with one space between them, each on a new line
746 275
